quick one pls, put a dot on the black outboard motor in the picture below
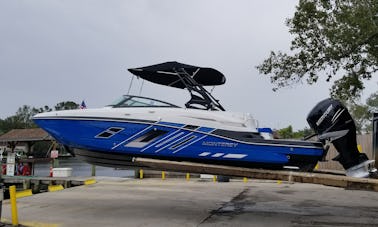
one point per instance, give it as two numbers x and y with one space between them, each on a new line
332 122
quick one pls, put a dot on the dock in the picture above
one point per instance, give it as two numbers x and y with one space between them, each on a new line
41 184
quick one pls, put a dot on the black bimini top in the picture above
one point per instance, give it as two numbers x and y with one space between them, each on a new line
168 74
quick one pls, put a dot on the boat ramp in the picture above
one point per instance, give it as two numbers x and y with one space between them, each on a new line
179 202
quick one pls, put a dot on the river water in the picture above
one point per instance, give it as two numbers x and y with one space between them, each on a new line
80 168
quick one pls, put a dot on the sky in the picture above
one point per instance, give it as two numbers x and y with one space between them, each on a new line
53 51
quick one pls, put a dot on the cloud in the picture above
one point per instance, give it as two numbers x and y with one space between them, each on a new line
52 51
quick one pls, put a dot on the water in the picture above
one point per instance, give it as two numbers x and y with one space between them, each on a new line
80 168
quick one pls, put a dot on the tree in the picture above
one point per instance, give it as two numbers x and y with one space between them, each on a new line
44 109
22 119
68 105
331 36
23 116
372 102
288 133
361 116
10 123
303 133
363 113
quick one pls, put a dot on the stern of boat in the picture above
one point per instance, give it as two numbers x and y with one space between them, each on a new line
332 123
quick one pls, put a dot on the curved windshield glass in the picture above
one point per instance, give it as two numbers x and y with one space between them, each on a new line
138 101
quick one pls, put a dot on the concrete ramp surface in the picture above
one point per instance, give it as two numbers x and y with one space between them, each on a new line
176 202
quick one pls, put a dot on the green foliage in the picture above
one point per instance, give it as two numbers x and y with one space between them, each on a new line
10 123
303 133
44 109
331 36
288 133
361 116
372 102
363 113
22 119
69 105
24 114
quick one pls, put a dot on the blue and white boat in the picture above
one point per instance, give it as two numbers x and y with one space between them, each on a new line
201 132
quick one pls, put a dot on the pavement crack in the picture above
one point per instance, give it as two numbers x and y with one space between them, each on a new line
229 208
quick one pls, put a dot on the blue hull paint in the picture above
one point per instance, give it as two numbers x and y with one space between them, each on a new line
176 142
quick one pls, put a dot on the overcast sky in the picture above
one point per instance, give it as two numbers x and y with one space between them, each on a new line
53 51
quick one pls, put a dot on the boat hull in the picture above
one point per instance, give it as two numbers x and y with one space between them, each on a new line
114 142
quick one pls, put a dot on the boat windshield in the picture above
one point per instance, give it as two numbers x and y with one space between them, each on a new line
138 101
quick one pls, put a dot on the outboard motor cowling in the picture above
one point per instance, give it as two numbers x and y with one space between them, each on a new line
332 121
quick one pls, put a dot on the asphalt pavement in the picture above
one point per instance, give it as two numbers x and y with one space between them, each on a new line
177 202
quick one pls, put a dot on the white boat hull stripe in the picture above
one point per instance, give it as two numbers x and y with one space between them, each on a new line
217 155
238 156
